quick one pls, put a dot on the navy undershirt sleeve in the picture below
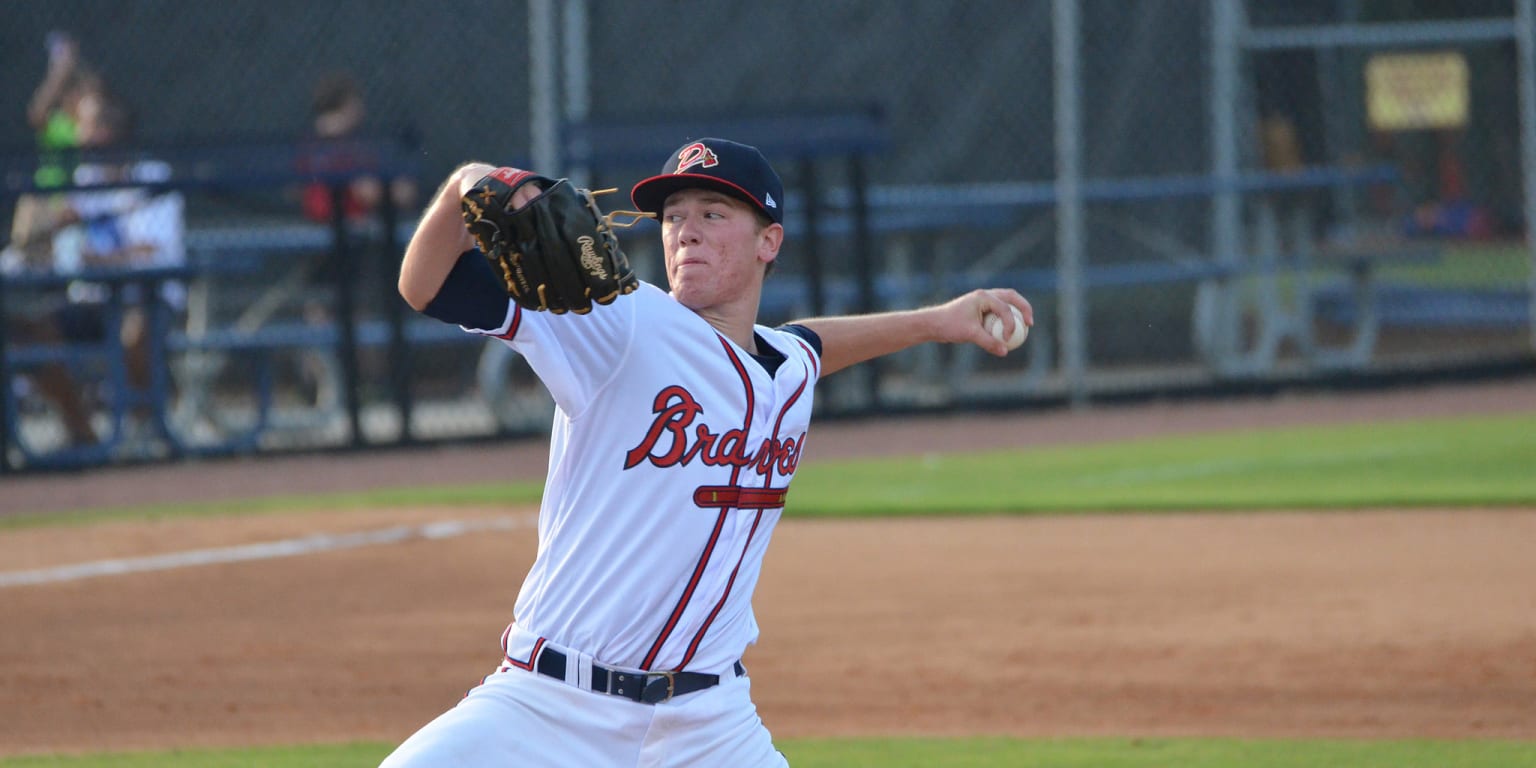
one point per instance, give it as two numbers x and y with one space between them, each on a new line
810 336
471 295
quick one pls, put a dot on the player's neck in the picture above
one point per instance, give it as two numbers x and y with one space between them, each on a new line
734 322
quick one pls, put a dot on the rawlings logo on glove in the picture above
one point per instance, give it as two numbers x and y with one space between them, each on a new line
558 253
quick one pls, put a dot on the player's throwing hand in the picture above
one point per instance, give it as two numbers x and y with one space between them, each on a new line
964 319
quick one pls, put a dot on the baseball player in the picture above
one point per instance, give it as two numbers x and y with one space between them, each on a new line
680 423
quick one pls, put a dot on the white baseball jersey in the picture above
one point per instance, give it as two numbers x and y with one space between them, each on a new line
670 456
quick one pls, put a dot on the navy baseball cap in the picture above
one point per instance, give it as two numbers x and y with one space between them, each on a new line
725 166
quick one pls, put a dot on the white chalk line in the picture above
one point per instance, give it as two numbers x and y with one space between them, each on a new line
322 542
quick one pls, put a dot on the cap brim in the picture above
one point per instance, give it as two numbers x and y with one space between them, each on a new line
650 195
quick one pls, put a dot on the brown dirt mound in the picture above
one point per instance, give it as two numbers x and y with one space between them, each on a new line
1368 624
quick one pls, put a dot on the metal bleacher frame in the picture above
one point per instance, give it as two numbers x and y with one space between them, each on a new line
853 216
861 212
216 169
260 331
1235 37
1250 276
105 357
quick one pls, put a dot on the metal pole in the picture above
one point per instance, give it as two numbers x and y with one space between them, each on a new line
1072 295
543 105
864 266
810 243
1382 34
345 293
1226 232
1525 23
7 394
578 85
394 316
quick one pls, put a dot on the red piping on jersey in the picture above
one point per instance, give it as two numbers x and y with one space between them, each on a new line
714 536
779 422
693 583
532 657
517 320
693 647
815 363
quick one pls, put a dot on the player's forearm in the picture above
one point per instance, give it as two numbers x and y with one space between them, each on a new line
439 239
850 340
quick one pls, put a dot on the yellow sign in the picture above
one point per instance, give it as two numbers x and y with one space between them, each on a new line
1416 91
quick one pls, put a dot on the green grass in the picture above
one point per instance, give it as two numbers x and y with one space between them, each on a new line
1470 265
1452 462
1154 753
489 493
1482 461
1460 267
931 753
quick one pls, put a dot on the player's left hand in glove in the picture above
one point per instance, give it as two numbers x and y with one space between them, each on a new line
557 253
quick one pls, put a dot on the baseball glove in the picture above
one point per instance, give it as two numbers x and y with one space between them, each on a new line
558 253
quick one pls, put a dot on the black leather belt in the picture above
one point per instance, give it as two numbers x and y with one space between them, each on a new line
641 687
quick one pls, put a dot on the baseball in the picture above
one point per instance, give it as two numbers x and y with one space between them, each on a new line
1020 330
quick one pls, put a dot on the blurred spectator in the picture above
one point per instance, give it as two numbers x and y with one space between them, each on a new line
53 112
336 147
1280 146
68 87
114 227
1451 213
337 114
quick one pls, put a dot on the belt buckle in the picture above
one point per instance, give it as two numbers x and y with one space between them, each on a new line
671 683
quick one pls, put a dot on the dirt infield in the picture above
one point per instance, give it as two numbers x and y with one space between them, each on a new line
1362 624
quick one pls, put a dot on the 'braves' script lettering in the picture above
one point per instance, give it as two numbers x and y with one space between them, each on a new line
670 442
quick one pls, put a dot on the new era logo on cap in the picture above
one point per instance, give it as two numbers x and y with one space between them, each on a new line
738 170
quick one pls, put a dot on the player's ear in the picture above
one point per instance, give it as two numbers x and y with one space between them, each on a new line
768 241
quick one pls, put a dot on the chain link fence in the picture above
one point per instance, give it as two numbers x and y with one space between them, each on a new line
1266 193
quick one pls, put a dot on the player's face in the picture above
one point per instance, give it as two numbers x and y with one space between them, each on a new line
716 249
